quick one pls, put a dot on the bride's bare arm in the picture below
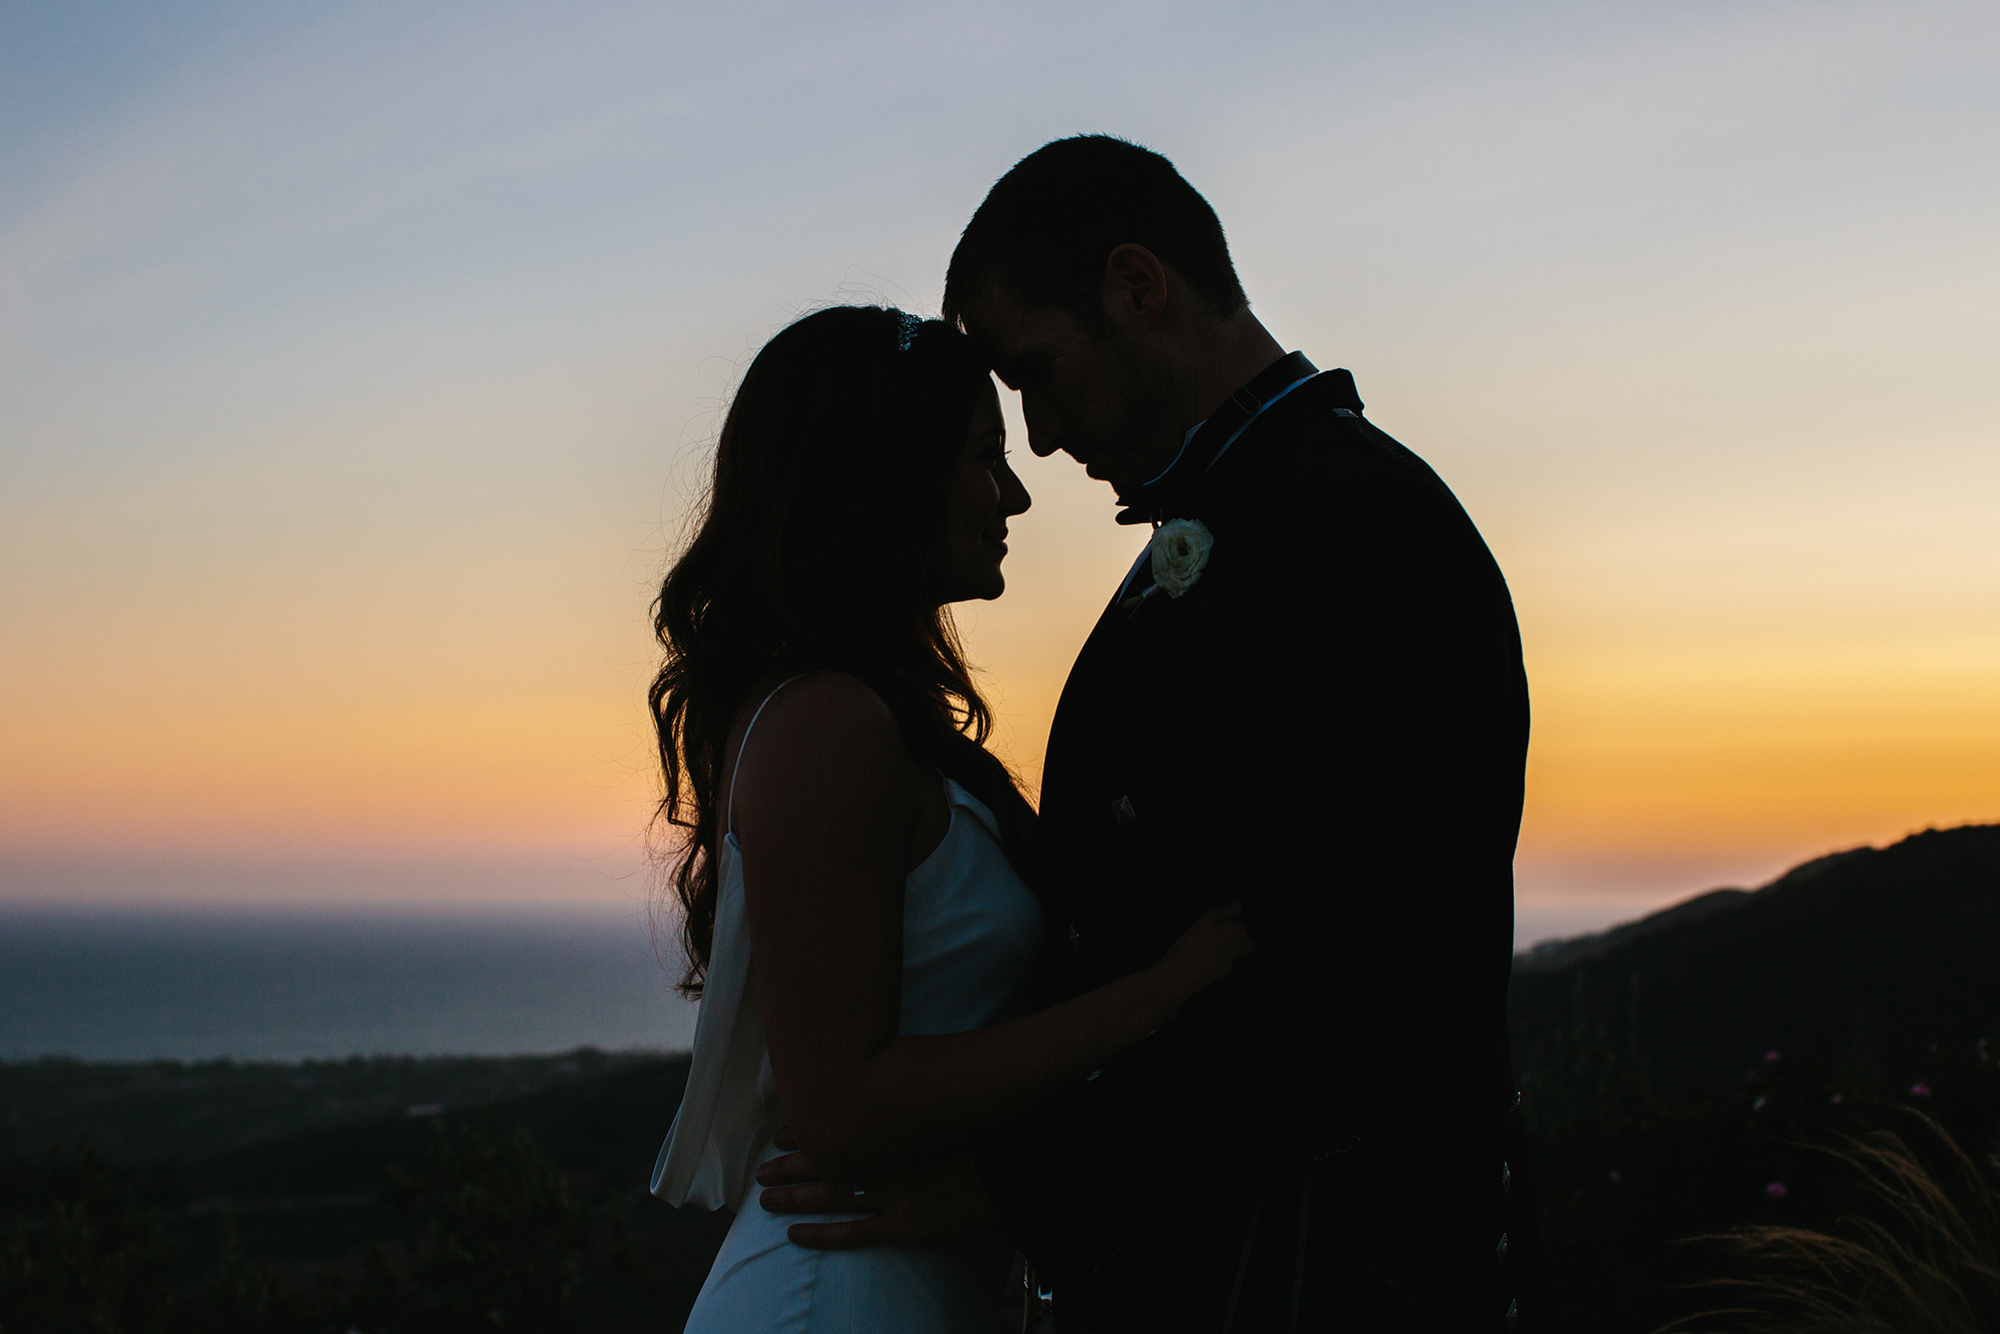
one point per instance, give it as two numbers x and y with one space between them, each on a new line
830 813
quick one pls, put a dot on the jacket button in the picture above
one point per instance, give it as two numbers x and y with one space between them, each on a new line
1500 1251
1506 1178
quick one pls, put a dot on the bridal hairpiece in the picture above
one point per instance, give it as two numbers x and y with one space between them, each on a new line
906 329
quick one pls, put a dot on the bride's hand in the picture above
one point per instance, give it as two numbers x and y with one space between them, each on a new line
1207 950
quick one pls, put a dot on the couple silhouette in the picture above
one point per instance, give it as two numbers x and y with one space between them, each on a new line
1216 1038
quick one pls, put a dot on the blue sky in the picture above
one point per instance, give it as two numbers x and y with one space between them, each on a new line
357 365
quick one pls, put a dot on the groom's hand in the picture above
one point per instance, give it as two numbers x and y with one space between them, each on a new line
930 1204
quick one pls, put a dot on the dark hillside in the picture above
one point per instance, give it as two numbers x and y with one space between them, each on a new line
1685 1074
300 1161
151 1113
1869 955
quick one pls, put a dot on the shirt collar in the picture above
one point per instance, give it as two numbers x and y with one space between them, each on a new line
1207 439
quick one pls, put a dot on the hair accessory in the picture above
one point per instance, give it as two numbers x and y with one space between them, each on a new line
906 329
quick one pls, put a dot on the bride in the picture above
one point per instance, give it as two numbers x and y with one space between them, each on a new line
857 878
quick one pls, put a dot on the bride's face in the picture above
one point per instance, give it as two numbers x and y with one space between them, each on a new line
984 494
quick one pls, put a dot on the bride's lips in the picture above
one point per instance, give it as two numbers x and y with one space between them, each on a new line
999 540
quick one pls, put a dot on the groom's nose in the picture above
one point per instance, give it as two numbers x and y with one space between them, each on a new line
1044 427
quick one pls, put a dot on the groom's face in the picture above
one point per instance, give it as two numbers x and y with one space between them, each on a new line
1099 396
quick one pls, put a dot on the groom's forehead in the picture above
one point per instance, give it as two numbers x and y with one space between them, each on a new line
1011 331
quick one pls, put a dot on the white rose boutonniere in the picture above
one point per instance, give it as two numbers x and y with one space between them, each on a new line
1180 553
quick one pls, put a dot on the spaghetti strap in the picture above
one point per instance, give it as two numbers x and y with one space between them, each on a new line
729 820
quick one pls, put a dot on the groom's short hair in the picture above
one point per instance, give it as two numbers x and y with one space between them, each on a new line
1048 225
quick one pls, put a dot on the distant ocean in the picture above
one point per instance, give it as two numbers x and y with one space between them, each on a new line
145 984
199 984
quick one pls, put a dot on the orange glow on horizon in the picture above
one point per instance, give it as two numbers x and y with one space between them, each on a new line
352 394
1658 742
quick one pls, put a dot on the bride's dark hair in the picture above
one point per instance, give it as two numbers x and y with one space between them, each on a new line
820 547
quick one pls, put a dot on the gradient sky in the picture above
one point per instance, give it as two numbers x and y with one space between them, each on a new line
357 363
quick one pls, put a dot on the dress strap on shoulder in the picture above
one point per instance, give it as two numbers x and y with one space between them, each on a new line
729 821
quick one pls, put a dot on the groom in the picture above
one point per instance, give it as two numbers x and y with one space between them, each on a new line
1309 697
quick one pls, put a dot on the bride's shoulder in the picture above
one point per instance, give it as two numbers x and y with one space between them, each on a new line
823 757
821 714
839 702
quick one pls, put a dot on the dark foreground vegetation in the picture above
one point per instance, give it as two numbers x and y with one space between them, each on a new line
1769 1111
1734 1062
381 1195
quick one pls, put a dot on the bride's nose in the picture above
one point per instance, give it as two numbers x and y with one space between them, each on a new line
1014 497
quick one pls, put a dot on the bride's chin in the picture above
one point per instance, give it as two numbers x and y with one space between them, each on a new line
985 590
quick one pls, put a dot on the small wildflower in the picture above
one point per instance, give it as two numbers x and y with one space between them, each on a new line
1758 1105
1614 1176
1772 1055
1920 1090
1835 1100
1776 1191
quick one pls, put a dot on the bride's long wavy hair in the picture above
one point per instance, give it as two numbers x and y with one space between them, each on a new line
820 546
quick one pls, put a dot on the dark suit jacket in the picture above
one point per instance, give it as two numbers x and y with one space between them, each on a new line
1330 726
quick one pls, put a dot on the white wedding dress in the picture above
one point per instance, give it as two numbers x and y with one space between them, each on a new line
971 934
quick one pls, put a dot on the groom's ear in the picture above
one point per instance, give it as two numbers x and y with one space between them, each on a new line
1136 287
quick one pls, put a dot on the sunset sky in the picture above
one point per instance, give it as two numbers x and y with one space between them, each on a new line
358 364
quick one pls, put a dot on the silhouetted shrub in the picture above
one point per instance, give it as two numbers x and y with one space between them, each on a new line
92 1264
493 1242
1917 1248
